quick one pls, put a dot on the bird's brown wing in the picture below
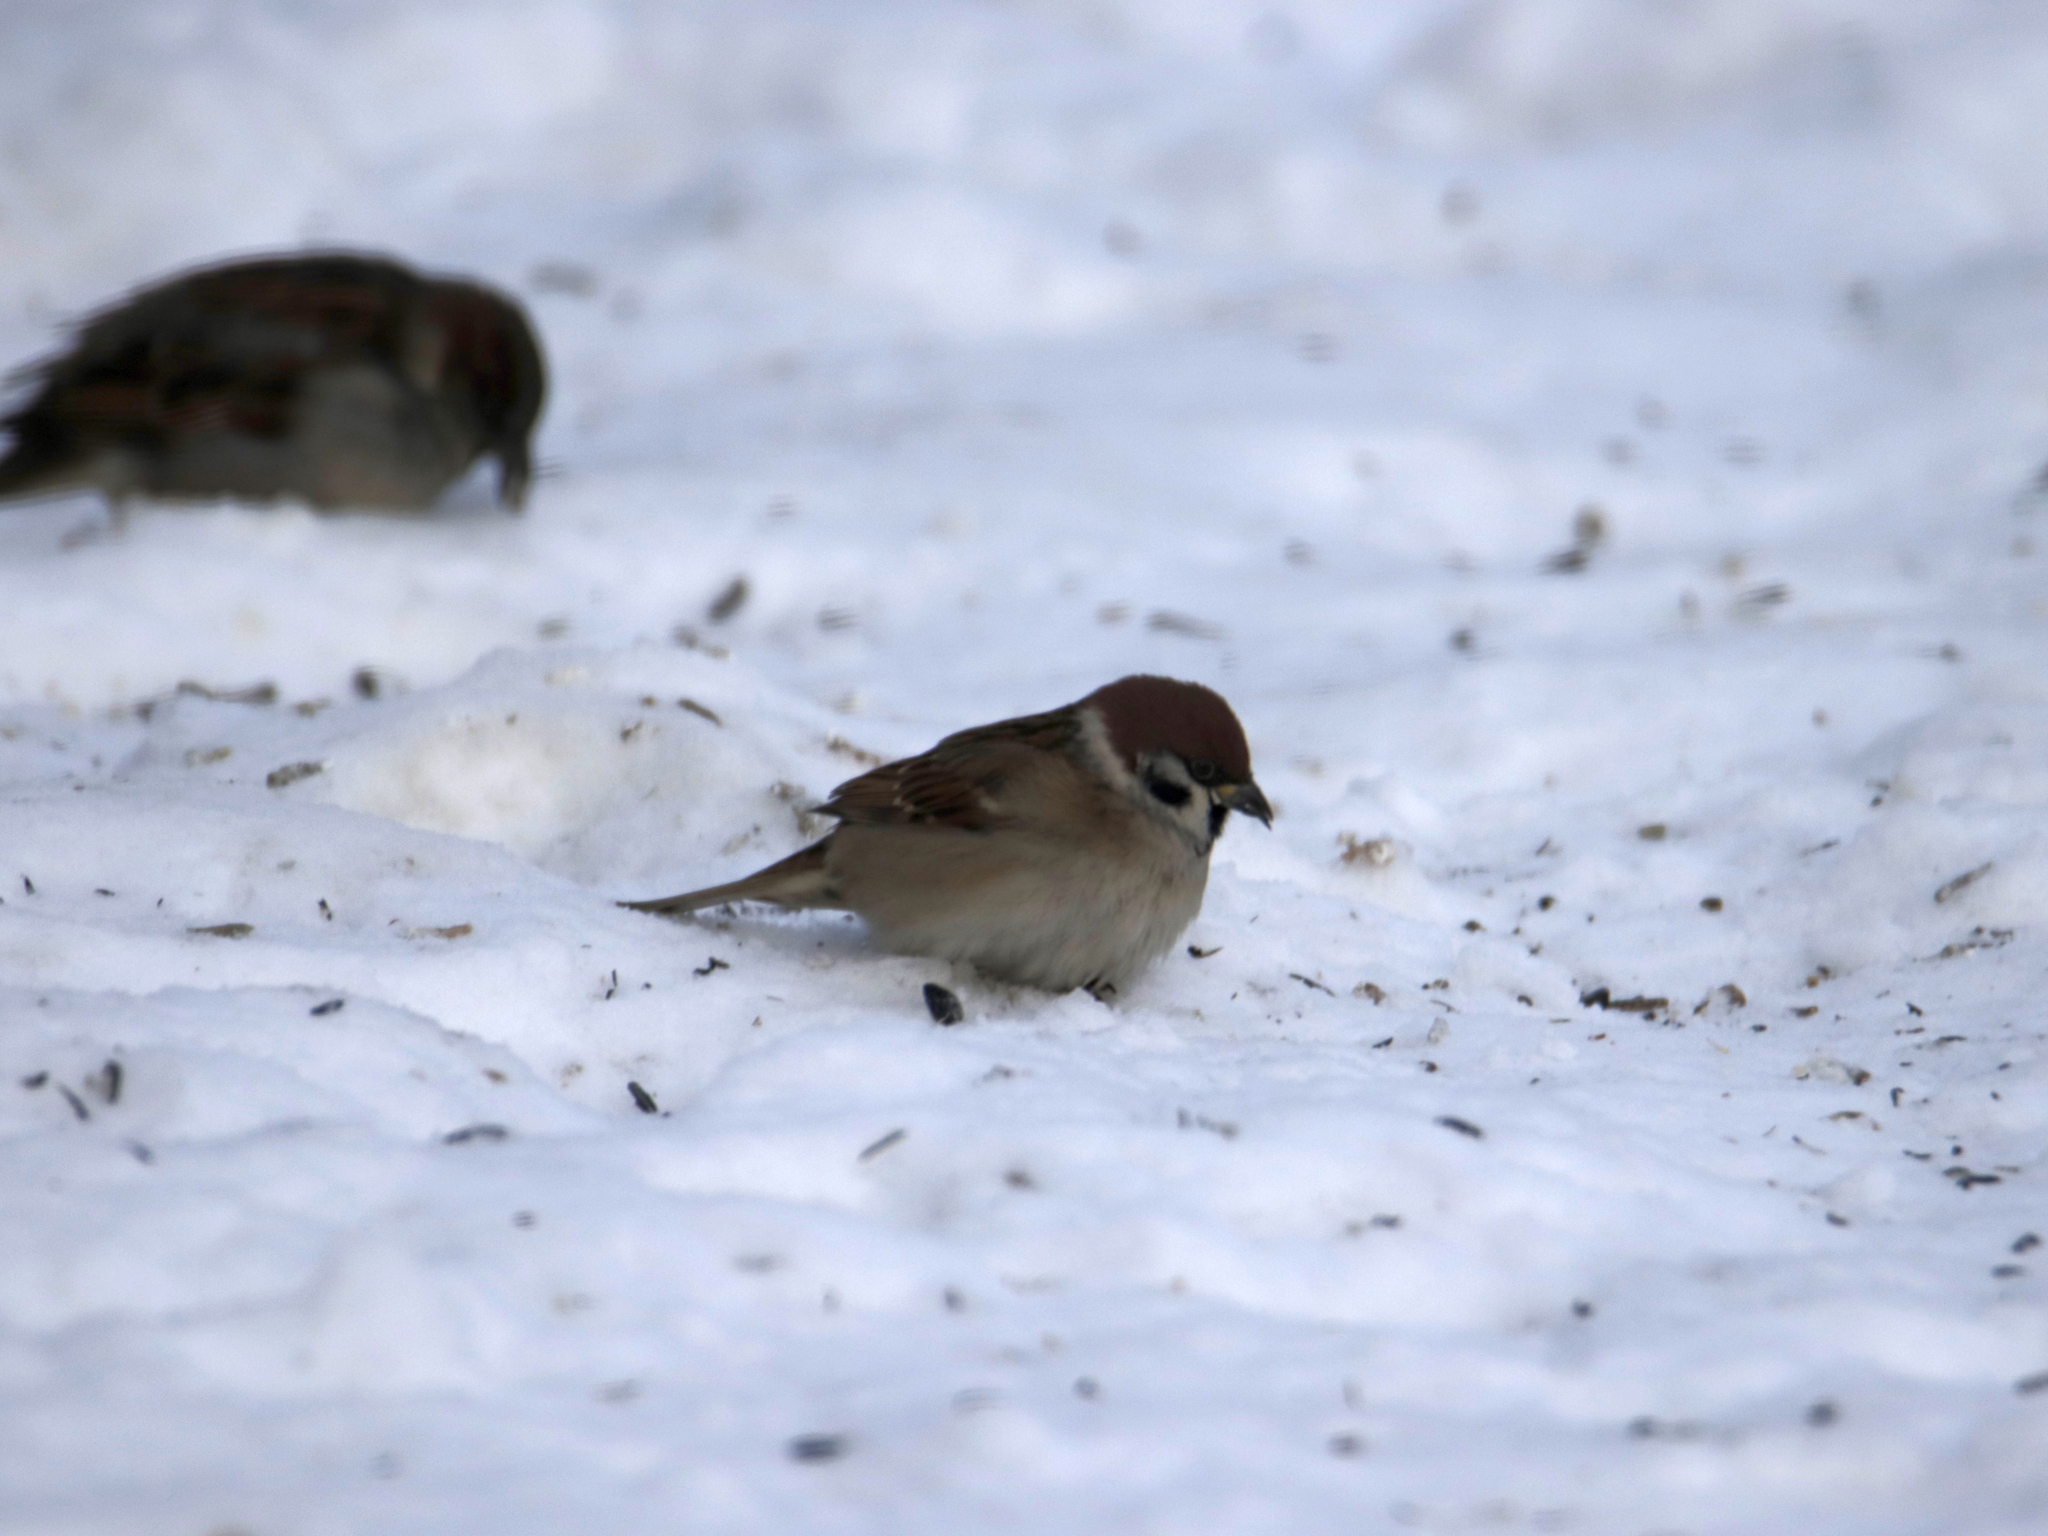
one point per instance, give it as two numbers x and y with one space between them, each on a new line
965 782
226 347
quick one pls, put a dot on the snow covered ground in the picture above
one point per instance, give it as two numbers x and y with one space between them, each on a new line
1592 443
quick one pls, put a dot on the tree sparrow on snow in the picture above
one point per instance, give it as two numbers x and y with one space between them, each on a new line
343 380
1067 849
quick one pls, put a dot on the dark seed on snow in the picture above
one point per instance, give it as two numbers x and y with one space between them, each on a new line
642 1099
107 1082
944 1006
876 1148
482 1132
817 1447
332 1005
1462 1127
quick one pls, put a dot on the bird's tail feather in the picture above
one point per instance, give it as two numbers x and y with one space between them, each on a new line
36 468
797 881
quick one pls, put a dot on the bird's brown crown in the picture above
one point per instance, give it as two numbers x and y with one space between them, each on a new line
1162 714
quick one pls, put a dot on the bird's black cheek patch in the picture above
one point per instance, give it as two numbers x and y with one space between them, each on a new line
1217 816
1168 793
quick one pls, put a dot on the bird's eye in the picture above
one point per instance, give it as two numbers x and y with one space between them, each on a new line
1202 771
1166 792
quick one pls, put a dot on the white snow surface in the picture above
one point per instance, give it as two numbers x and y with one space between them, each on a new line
1004 347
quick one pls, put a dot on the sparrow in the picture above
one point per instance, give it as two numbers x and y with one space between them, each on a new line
1066 849
341 379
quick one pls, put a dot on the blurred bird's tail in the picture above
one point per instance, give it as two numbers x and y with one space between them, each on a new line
797 881
37 466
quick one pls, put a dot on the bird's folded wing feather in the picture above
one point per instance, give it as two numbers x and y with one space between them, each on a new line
975 781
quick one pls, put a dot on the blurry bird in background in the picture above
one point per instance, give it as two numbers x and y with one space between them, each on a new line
338 379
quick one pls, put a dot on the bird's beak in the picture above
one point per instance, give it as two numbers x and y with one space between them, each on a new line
1245 797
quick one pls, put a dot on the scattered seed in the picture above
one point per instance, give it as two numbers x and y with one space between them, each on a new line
332 1005
1167 622
1462 1127
1965 1179
2038 1382
698 709
1963 882
107 1082
255 693
77 1104
456 931
710 965
2026 1242
291 773
1654 832
140 1153
1196 952
1582 1309
1371 991
1710 903
876 1148
1347 1445
944 1006
728 602
1822 1414
37 1079
1309 981
643 1100
480 1132
817 1448
225 930
1599 997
